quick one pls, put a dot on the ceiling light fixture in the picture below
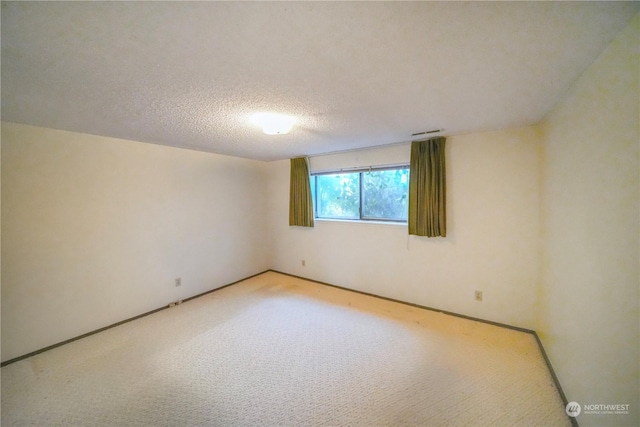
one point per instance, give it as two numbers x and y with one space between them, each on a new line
273 123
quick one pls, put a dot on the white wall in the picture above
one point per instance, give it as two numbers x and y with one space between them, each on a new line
95 230
588 317
492 241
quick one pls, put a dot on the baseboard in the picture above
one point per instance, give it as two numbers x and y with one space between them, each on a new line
502 325
574 423
556 381
70 340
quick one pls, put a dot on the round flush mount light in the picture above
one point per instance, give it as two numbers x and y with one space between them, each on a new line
273 123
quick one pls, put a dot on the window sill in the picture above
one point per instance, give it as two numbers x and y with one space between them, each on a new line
359 221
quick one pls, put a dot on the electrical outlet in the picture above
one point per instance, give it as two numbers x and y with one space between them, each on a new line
178 282
478 295
304 263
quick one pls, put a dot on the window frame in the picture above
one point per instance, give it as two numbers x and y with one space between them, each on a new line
360 171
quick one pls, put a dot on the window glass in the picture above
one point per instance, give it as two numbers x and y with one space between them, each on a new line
338 196
372 194
385 194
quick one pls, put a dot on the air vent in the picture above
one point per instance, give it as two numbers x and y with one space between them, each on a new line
427 132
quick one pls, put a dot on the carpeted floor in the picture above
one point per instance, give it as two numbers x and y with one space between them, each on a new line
276 350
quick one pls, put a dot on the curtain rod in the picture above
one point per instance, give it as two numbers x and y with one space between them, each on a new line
360 168
375 146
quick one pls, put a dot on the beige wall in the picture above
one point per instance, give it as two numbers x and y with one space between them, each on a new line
95 230
492 241
588 313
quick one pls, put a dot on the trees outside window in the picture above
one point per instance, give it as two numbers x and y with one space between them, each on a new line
371 194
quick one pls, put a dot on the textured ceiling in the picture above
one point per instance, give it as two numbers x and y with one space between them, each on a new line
189 74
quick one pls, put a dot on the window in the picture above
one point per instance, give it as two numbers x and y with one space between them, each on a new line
380 194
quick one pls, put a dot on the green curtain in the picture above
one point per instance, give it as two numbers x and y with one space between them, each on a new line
300 203
427 189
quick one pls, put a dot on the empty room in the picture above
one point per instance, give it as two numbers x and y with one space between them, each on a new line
320 213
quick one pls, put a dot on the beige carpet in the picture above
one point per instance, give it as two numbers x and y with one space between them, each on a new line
275 350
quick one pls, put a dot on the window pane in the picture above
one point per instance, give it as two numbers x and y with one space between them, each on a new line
386 194
338 195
